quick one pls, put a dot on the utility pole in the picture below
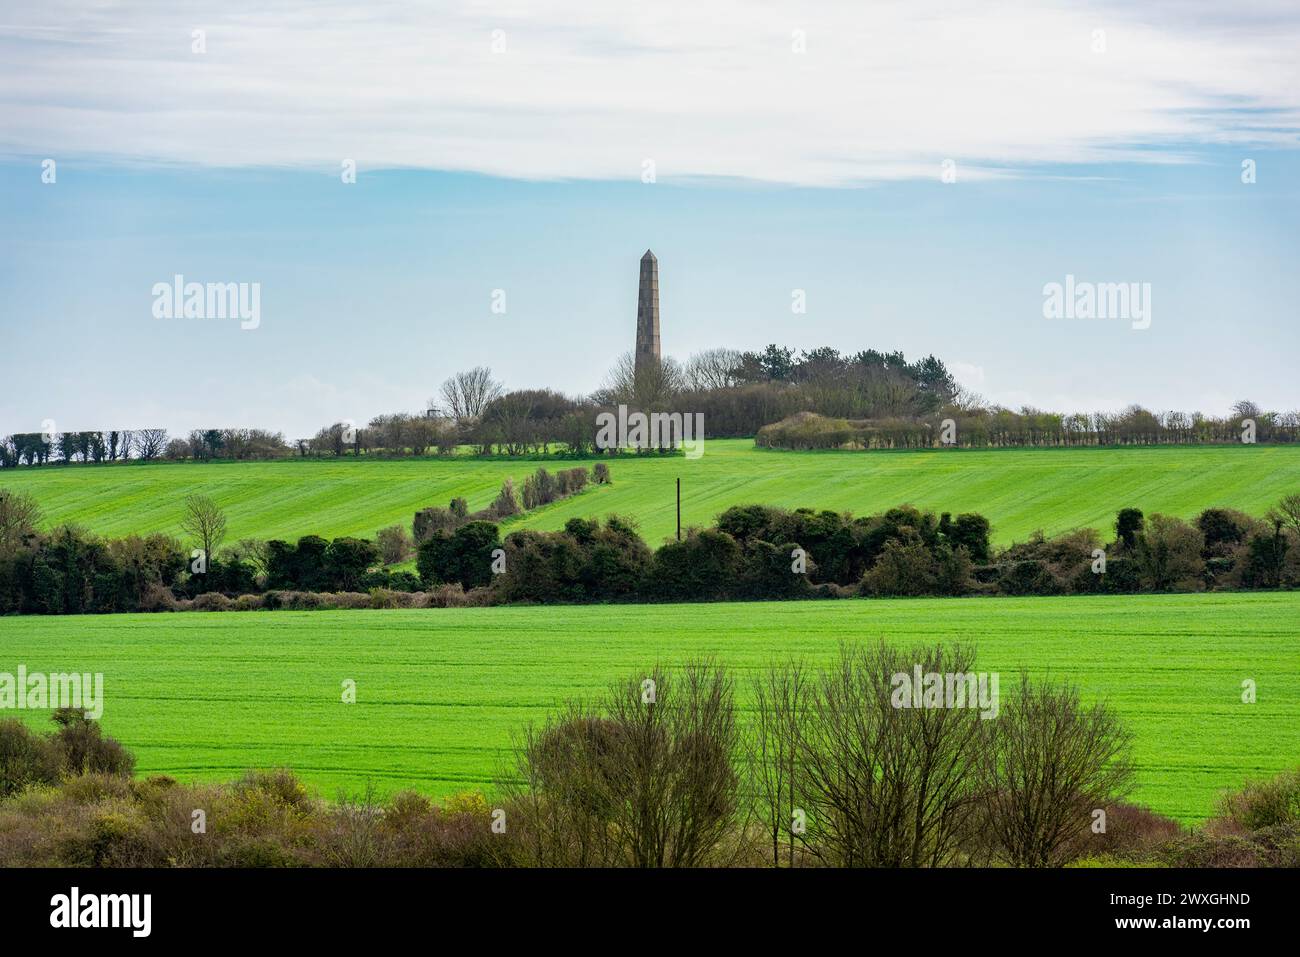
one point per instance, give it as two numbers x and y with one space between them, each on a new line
679 509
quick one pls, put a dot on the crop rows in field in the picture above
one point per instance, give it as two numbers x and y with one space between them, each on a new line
1019 490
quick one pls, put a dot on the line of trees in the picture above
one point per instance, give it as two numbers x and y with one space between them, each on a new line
141 445
752 552
808 399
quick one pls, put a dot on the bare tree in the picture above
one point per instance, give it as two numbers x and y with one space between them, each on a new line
466 394
713 369
204 522
1048 765
780 709
651 389
651 782
151 443
1245 409
887 786
19 517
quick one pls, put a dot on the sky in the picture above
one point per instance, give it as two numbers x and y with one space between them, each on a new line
917 172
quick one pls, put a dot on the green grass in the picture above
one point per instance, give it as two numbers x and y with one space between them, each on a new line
205 696
1019 490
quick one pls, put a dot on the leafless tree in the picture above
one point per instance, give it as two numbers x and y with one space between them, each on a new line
466 394
650 782
19 518
1245 409
887 786
780 709
205 523
712 369
651 389
151 443
1049 763
394 543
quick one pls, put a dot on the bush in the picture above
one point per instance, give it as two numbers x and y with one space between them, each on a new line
212 601
431 521
1261 804
83 749
1168 554
1047 762
463 557
1132 833
901 570
807 430
701 567
26 759
600 473
395 545
506 503
649 782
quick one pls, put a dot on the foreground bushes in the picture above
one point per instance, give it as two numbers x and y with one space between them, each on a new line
28 759
666 771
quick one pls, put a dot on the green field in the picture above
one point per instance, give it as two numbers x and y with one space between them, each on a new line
1019 490
205 696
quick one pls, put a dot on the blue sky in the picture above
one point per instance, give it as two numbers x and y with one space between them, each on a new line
374 292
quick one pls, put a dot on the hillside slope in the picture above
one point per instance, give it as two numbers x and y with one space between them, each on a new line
1019 490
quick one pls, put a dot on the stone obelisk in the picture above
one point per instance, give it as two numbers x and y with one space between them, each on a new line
647 314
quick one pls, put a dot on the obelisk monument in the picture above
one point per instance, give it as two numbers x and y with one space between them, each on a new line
647 315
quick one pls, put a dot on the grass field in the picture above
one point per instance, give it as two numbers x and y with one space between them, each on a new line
1019 490
205 696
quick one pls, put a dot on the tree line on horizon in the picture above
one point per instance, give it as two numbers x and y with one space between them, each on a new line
815 398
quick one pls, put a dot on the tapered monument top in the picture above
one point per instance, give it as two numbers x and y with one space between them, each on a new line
650 256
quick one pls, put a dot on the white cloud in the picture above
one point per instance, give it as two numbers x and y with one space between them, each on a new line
589 90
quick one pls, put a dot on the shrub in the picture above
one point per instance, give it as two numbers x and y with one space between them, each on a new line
250 603
212 601
1048 761
506 503
650 782
600 473
395 545
901 570
26 759
971 531
431 521
701 567
1131 833
1168 553
83 749
882 785
807 430
1128 525
1223 530
464 557
1261 804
